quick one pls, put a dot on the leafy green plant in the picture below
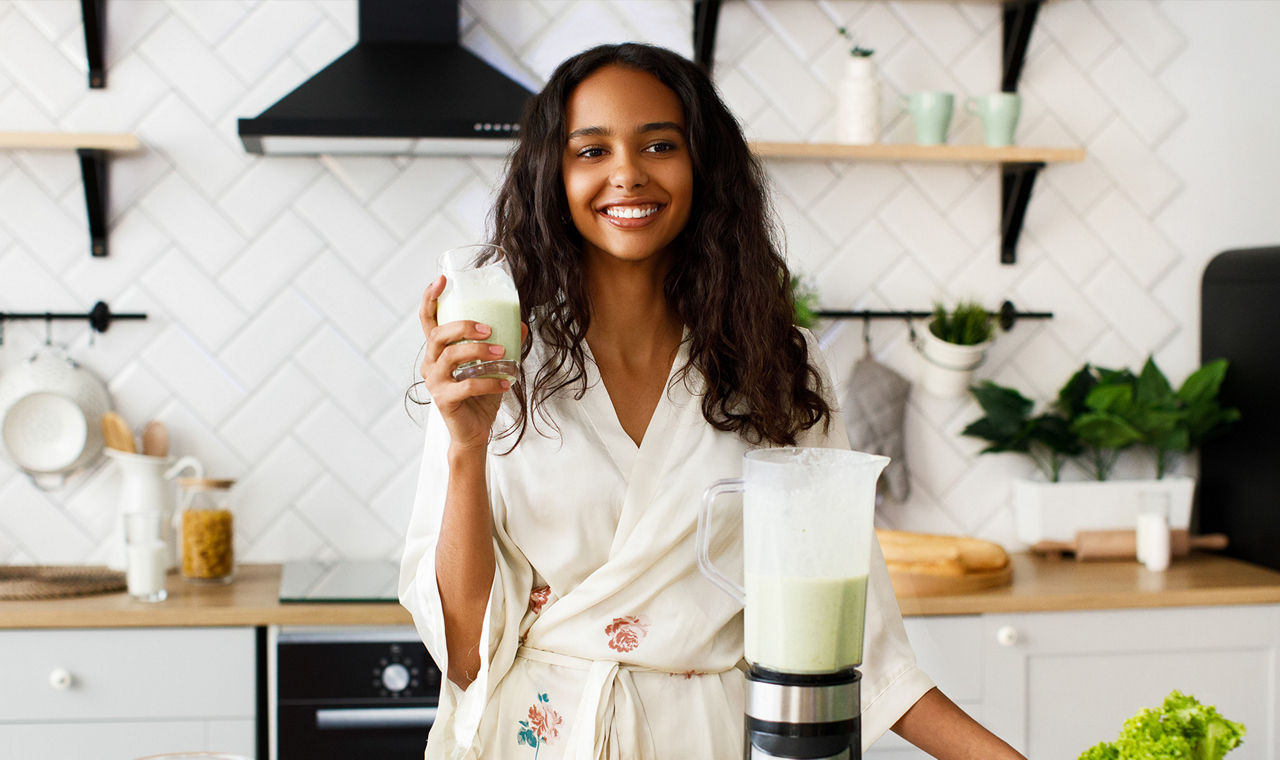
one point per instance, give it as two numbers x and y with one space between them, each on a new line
1099 413
1122 409
968 324
1180 728
1009 427
804 302
857 50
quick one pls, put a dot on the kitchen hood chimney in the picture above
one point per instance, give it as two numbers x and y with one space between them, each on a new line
406 88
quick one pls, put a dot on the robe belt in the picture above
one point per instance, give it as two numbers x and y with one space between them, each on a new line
608 687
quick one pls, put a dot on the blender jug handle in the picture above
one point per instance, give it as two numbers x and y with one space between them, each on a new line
714 491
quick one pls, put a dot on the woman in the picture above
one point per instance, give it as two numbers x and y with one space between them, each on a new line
551 572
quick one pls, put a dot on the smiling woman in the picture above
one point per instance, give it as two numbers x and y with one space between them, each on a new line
553 576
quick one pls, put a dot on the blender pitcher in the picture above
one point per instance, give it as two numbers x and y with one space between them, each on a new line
808 522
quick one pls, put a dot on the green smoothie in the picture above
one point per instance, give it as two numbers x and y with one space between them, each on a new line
805 625
500 310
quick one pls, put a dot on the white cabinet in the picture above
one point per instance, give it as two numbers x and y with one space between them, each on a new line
1053 684
119 694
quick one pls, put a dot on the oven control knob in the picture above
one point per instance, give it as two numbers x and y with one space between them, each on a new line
395 677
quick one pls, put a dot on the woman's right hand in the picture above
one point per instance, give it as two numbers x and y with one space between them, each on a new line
470 406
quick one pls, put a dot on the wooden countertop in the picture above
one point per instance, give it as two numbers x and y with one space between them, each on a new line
1039 585
251 599
1045 585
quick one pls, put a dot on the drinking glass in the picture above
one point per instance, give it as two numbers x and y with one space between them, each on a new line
146 541
479 287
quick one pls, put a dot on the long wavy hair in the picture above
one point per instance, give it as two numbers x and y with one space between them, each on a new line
728 283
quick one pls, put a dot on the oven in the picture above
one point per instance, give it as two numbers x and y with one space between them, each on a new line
351 692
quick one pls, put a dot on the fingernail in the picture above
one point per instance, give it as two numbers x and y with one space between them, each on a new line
483 329
496 350
506 384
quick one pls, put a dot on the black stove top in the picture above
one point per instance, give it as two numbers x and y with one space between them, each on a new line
340 581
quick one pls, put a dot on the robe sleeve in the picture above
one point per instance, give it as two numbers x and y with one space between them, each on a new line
459 712
891 682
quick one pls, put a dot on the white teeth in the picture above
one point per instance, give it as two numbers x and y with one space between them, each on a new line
631 212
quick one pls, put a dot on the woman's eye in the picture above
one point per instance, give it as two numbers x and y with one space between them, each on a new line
661 147
591 153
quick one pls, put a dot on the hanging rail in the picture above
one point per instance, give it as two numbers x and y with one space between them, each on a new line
1007 315
99 317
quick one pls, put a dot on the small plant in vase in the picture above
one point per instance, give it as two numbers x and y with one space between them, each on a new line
1098 415
858 96
954 346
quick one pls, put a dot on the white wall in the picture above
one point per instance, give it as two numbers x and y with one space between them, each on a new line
281 292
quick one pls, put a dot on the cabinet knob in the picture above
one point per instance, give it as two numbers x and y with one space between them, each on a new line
61 679
1006 636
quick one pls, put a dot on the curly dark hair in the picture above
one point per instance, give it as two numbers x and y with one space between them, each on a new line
728 283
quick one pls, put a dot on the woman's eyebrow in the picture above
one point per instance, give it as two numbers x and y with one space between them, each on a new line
653 126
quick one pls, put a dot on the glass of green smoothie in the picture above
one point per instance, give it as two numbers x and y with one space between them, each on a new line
478 286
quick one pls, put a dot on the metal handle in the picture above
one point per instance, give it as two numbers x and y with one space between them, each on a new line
347 719
717 489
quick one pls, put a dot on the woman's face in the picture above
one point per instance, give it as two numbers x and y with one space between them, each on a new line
627 172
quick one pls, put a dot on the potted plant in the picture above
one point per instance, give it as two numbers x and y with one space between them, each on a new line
858 96
1098 415
954 346
804 302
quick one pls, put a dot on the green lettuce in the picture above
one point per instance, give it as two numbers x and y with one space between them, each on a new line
1180 729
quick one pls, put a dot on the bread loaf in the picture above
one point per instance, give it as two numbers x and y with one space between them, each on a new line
934 554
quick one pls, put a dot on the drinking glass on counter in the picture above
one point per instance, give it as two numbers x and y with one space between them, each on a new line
479 287
146 541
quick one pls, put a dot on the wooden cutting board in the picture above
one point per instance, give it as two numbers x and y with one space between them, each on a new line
926 564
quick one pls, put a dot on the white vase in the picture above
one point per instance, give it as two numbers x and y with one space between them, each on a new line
858 102
1057 511
947 368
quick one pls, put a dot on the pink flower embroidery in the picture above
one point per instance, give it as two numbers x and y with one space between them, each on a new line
538 598
626 632
541 727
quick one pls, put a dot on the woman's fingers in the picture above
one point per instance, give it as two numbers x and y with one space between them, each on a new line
427 309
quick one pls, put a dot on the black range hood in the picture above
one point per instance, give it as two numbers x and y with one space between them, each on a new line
406 88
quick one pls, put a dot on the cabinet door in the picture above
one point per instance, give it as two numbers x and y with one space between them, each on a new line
1058 683
948 648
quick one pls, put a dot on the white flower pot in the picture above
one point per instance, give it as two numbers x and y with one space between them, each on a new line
947 368
858 102
1057 511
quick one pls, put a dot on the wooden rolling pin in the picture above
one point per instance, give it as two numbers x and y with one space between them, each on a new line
1123 544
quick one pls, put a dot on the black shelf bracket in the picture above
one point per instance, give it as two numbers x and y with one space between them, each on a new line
93 169
1006 316
705 15
1019 19
1016 180
95 39
99 317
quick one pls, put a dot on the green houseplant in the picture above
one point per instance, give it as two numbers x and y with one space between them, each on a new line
954 346
1099 415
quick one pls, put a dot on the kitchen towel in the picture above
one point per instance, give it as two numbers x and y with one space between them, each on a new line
875 405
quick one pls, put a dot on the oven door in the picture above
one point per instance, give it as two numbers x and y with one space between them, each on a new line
353 693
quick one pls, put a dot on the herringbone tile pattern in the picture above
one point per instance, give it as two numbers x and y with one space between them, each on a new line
281 292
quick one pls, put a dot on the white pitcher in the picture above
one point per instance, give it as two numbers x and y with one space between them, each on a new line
146 486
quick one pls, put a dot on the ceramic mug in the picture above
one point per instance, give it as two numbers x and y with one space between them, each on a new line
931 112
999 112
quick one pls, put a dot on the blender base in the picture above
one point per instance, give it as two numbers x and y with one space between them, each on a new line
803 717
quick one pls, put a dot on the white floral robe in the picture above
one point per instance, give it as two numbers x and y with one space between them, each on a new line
603 640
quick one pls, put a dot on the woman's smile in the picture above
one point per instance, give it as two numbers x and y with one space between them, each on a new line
628 176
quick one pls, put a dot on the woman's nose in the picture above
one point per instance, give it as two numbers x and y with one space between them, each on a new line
627 172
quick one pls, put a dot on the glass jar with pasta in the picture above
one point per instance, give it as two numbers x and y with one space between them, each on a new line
208 530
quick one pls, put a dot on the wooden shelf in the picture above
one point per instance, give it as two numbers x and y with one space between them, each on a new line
1016 154
113 141
92 148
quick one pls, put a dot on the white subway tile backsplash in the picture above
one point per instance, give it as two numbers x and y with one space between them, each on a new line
345 375
193 375
271 261
190 298
275 333
193 224
342 221
343 446
281 293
